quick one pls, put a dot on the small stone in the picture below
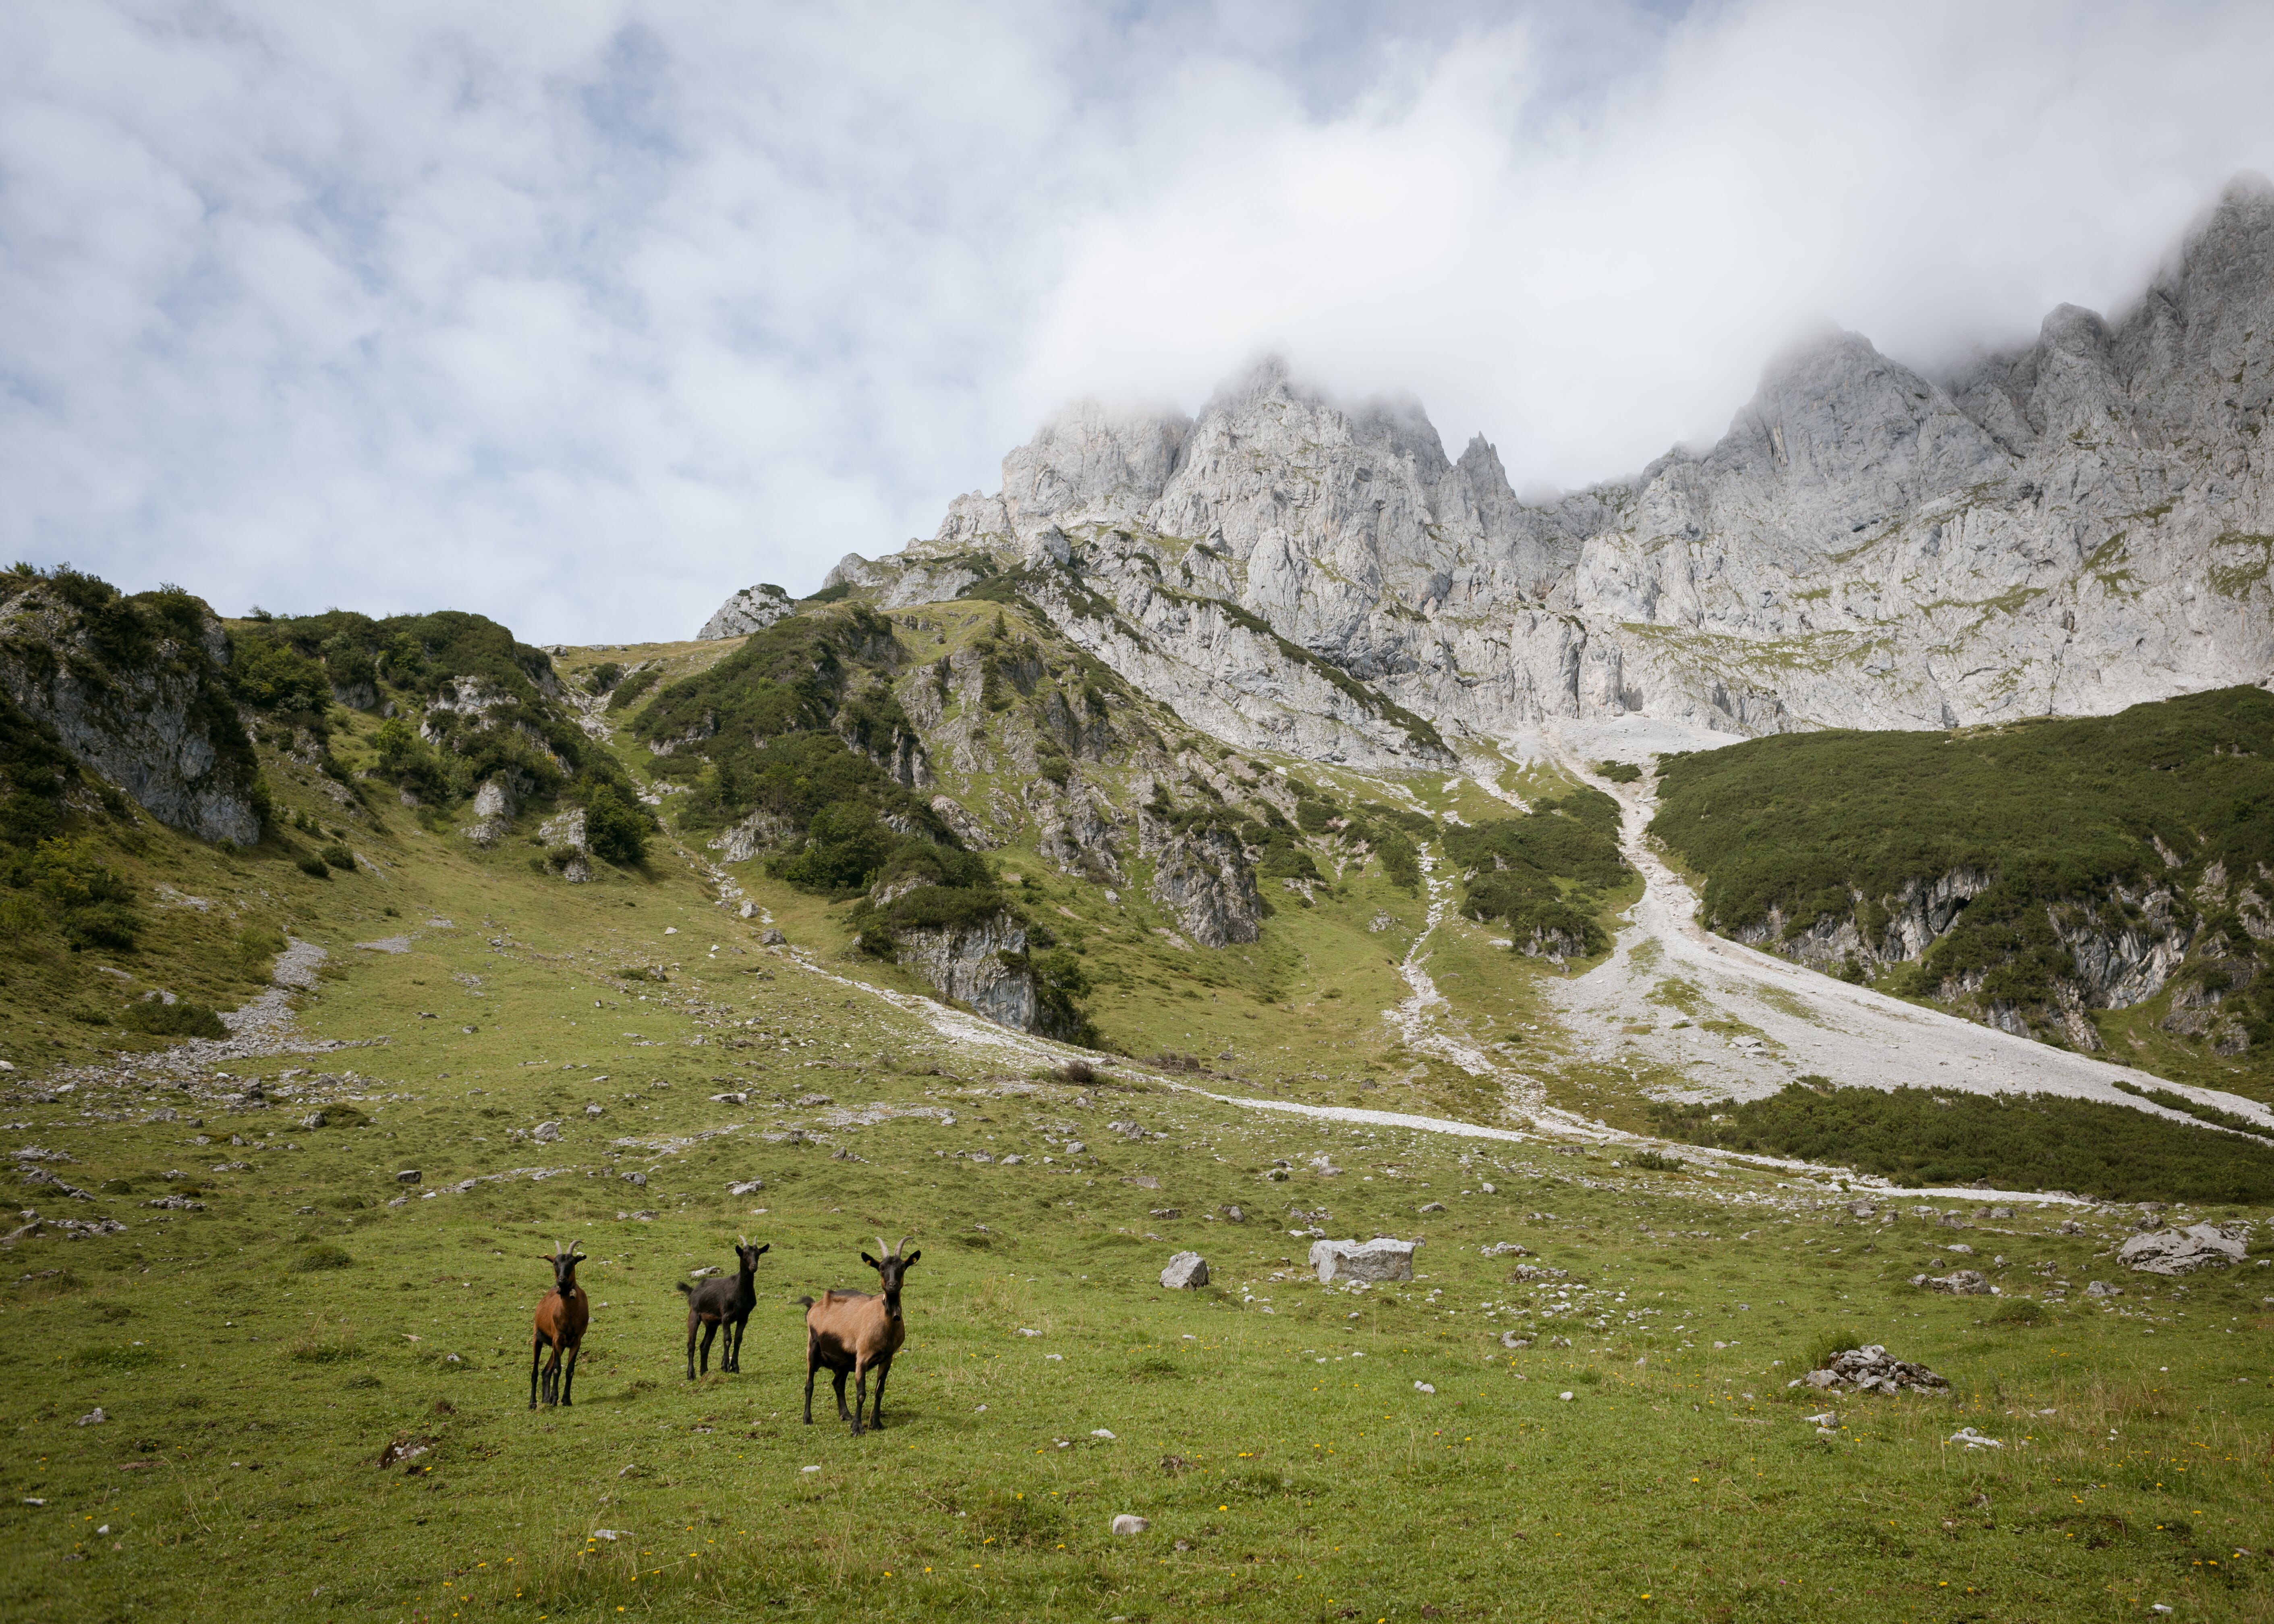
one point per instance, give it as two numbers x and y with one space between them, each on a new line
771 937
408 1176
1432 1206
2101 1287
1186 1271
593 1110
635 1178
1511 1340
93 1417
546 1132
1488 1189
1423 1386
748 1186
1565 1396
1100 1432
1233 1214
1126 1524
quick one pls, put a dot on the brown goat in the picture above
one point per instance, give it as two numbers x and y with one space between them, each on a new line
852 1333
722 1304
561 1317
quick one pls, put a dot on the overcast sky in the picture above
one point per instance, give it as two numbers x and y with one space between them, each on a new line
584 313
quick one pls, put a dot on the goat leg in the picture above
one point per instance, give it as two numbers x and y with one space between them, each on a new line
837 1380
709 1330
568 1379
691 1322
812 1365
877 1412
535 1358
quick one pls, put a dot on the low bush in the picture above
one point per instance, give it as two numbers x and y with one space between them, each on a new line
323 1255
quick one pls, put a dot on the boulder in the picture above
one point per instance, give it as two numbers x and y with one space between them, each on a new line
546 1132
2181 1252
1186 1270
1126 1524
1366 1262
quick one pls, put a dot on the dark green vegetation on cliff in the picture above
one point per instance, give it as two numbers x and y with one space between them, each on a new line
2012 1142
1543 874
2157 822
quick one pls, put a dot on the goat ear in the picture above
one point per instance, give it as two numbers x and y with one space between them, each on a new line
762 1251
871 1261
910 1261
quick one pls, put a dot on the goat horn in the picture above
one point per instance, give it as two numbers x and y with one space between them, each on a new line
883 1251
898 1250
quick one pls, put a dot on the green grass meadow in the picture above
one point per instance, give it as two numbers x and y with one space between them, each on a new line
1269 1428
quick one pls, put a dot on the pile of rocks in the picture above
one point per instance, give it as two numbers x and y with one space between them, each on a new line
1959 1282
1872 1370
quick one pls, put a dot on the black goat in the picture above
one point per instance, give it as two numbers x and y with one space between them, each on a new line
720 1302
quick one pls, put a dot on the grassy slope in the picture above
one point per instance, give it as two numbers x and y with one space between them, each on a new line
261 1396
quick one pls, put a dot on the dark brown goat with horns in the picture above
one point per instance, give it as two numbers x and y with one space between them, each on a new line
852 1333
723 1303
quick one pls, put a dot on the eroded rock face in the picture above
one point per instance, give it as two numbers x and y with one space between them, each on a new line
2065 529
1204 879
752 609
155 719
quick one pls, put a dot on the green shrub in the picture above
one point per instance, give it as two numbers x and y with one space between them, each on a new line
615 827
1618 772
180 1019
323 1255
2022 1312
308 863
339 857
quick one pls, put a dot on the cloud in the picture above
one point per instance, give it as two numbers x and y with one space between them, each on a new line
583 315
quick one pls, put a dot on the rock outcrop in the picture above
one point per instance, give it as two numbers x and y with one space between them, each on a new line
752 609
1203 878
2067 527
135 689
983 966
2182 1251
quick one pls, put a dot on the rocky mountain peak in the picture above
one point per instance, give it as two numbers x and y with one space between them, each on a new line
2066 527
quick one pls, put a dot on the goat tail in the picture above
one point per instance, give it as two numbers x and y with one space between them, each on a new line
684 1289
805 1302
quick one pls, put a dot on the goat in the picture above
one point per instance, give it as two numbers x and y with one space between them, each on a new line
853 1333
722 1302
561 1316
